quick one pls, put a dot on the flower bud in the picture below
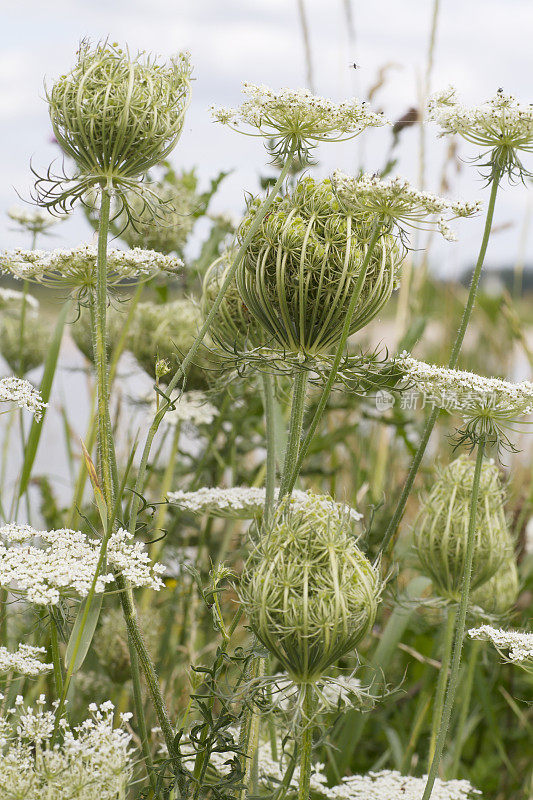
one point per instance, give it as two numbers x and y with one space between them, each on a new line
165 332
441 530
233 326
23 353
118 116
498 595
302 266
309 592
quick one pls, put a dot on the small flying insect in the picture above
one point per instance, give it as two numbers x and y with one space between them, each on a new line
353 65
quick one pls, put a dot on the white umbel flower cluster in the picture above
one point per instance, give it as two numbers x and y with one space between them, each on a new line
44 565
518 644
10 298
93 760
76 268
35 220
296 119
25 660
487 405
191 407
391 785
400 204
502 126
247 502
23 394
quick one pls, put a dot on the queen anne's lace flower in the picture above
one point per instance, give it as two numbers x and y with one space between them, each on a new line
12 298
247 502
398 203
391 785
519 644
502 127
76 268
487 405
94 758
297 120
25 660
19 391
34 221
43 565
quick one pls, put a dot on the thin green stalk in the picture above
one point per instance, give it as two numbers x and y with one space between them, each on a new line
270 423
295 432
184 366
135 634
460 628
306 743
442 681
56 655
324 397
141 722
467 313
100 354
466 696
249 735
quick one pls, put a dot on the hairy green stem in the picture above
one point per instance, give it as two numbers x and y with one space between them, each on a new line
181 372
466 695
460 628
56 655
442 681
392 528
326 391
270 477
249 735
295 432
141 721
306 743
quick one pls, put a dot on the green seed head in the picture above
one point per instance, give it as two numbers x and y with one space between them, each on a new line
302 266
441 530
27 351
169 230
117 116
309 592
233 326
165 333
498 595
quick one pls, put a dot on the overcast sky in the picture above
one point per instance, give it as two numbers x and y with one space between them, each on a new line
481 45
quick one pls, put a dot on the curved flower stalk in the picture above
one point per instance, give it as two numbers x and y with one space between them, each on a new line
243 502
94 757
76 269
44 566
26 660
310 595
295 120
441 529
518 644
489 406
116 116
502 127
23 394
